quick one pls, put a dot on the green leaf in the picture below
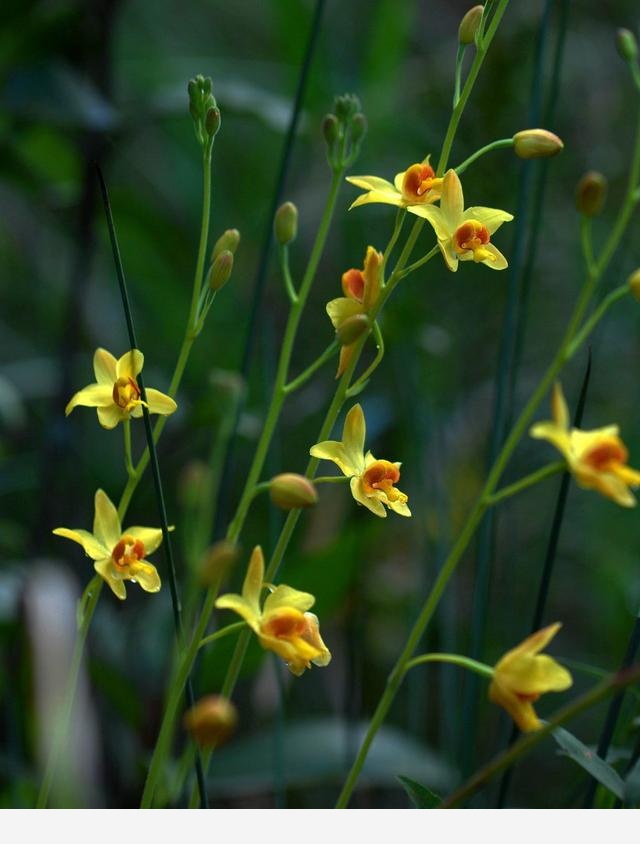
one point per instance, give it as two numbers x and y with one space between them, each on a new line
420 795
632 786
589 760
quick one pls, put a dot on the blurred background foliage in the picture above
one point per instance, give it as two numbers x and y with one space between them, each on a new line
105 82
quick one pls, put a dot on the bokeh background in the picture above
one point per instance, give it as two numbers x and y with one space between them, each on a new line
106 82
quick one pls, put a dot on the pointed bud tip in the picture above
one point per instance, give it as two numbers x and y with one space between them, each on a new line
469 25
591 193
290 491
285 223
536 143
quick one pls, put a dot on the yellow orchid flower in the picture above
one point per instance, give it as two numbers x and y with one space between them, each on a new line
372 481
116 394
283 625
415 186
597 459
119 555
361 289
464 235
522 675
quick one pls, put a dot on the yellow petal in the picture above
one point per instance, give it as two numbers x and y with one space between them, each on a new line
106 524
315 639
399 507
377 196
93 395
130 364
490 218
522 712
554 434
238 604
353 437
341 309
146 575
158 402
284 597
346 355
436 219
252 586
106 570
449 254
372 277
452 200
496 260
109 416
104 367
606 483
530 675
370 502
92 547
150 537
559 409
334 451
371 183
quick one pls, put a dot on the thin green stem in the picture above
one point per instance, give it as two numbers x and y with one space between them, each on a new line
458 75
304 376
128 462
420 262
361 382
220 634
526 482
331 479
283 253
401 216
61 728
619 293
586 243
454 659
503 143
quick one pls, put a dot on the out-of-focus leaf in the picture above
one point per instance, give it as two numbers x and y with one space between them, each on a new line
314 752
420 796
632 786
589 760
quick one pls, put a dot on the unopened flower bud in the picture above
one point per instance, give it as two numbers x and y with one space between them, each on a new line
191 483
536 143
627 45
290 491
591 193
330 129
358 128
227 242
212 121
634 284
211 721
285 223
352 328
220 270
346 106
469 25
218 562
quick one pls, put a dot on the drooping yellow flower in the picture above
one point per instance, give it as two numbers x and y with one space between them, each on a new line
415 186
597 459
361 289
372 481
464 235
523 674
116 394
283 625
119 555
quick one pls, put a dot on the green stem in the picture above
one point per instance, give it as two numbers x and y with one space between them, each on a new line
587 243
301 379
459 59
283 253
596 316
501 144
420 262
526 482
64 719
361 382
128 462
454 659
401 216
219 634
331 479
529 740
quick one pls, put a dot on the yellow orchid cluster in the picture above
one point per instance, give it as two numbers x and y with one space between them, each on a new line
118 555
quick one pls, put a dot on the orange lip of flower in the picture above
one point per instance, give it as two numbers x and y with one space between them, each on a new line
126 393
472 236
418 180
128 551
353 284
285 626
382 475
605 455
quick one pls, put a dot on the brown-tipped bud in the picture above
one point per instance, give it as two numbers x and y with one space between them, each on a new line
211 721
353 328
330 129
285 223
634 284
212 121
227 242
627 45
469 25
358 127
218 562
220 270
591 193
536 143
290 491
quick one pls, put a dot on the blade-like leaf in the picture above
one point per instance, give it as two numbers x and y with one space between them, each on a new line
590 761
632 786
420 795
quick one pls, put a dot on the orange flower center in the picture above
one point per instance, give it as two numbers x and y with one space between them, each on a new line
126 393
285 626
472 236
605 455
418 180
353 284
527 698
128 551
382 475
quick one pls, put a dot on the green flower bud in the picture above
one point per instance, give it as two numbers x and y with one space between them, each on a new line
469 25
330 129
212 121
358 128
346 106
353 328
220 270
536 143
211 721
290 491
218 562
591 193
627 45
634 284
285 223
227 242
